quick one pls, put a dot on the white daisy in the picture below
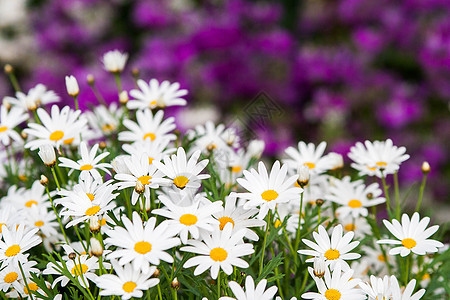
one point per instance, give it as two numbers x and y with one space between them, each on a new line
154 95
9 216
105 120
372 158
11 274
8 121
42 219
354 197
374 258
61 128
208 137
251 292
405 294
148 126
141 244
127 282
184 173
267 190
88 163
378 288
238 216
154 150
336 251
359 226
412 236
220 250
16 242
189 219
309 155
114 61
336 286
37 96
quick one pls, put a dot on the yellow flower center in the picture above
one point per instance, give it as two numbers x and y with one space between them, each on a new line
218 254
23 177
11 277
424 277
381 164
92 210
102 222
12 250
86 168
150 160
236 169
68 141
30 203
350 227
153 102
3 128
108 127
381 258
310 165
180 181
371 168
31 286
38 223
278 223
56 135
332 254
1 226
224 220
150 135
142 247
77 268
129 286
332 294
409 243
188 219
269 195
90 196
354 203
145 179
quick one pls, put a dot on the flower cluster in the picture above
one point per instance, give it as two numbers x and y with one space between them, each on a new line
116 201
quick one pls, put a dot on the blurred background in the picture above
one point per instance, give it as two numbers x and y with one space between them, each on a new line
338 70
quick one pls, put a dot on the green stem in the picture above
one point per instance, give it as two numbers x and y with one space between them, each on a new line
397 196
25 280
98 95
36 117
297 234
14 81
75 99
264 243
386 194
56 178
159 292
218 285
57 216
143 207
118 82
82 277
280 290
408 263
421 191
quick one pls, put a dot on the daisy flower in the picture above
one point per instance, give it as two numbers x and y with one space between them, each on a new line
8 121
82 268
105 120
310 156
354 197
378 288
268 190
220 250
251 292
372 158
114 61
208 137
189 219
89 162
148 126
374 258
183 172
16 242
336 286
10 275
59 128
140 171
127 283
9 216
37 96
405 294
141 244
42 219
154 150
238 216
335 250
359 226
412 236
154 95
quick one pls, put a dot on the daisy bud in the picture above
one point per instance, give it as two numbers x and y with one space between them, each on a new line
123 97
139 188
114 61
44 180
369 196
102 145
256 148
338 160
8 69
119 164
72 86
211 147
72 255
47 154
230 136
426 167
94 224
303 176
175 284
319 202
135 72
90 79
96 247
31 105
319 266
24 135
6 104
156 273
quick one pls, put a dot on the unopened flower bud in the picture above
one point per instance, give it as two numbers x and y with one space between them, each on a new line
175 284
319 266
211 147
47 154
90 79
8 69
31 105
135 72
102 145
114 61
6 104
426 167
156 273
94 224
72 255
369 196
303 176
119 164
44 180
319 202
256 148
23 134
337 160
123 97
96 247
72 86
139 188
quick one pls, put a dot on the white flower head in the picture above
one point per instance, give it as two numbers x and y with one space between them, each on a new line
8 121
16 242
72 86
154 95
309 155
251 292
405 294
47 154
114 61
